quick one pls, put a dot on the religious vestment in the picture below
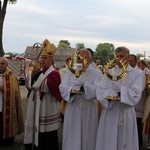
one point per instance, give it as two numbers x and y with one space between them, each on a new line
43 116
118 129
98 104
11 109
63 104
63 71
139 110
80 118
146 115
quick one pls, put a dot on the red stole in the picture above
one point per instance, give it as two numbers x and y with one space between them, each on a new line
7 106
53 82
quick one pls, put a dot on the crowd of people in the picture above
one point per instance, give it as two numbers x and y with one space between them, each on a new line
99 110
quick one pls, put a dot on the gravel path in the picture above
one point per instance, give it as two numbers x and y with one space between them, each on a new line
18 144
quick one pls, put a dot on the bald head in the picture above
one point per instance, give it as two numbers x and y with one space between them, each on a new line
85 53
3 64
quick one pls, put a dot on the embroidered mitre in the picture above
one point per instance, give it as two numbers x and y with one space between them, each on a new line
48 49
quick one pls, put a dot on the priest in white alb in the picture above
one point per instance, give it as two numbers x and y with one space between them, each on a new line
118 129
80 118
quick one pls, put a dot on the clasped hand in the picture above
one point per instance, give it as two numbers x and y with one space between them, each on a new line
77 83
115 86
112 93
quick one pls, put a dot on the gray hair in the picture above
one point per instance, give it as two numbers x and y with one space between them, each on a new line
122 48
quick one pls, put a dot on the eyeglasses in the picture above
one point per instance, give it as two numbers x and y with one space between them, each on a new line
2 63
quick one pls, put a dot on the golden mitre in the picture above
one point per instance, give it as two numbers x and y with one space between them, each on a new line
47 48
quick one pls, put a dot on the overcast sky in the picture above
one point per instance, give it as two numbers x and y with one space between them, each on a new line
119 22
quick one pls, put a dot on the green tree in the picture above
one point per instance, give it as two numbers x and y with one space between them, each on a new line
139 55
104 52
64 43
9 53
80 45
3 6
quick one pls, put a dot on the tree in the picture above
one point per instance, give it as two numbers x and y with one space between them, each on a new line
80 45
104 52
64 43
9 54
139 55
3 7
